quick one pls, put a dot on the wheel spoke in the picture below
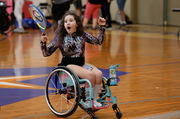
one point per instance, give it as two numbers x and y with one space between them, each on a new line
52 95
53 83
62 92
67 99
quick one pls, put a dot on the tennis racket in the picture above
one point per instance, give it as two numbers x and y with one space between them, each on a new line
38 17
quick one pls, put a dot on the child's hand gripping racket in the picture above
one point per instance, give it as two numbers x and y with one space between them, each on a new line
38 17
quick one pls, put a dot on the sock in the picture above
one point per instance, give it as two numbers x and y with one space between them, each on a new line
96 91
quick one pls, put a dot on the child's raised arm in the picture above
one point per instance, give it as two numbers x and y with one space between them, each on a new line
44 38
101 21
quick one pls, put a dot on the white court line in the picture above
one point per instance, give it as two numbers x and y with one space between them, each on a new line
13 84
15 77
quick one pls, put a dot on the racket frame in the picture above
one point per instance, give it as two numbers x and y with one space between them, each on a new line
42 28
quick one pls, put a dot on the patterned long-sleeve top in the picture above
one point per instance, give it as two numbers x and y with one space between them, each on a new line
73 46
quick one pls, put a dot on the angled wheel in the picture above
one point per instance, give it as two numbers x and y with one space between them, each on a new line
62 91
117 111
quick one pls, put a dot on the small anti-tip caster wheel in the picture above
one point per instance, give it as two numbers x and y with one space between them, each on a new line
119 115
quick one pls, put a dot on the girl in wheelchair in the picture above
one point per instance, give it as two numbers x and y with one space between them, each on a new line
70 39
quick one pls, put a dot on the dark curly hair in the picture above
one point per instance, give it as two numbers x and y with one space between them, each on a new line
61 31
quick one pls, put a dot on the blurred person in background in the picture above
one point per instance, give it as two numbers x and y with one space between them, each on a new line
121 4
92 9
105 10
78 6
59 8
18 14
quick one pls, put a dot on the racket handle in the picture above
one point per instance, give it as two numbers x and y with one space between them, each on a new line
43 31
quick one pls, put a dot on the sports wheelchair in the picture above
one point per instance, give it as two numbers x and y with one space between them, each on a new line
65 91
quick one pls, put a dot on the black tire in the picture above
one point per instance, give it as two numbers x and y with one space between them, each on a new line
62 91
119 115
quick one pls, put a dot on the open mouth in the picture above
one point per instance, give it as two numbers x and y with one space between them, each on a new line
68 27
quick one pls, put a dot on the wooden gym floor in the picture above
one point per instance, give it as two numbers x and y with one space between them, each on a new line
149 87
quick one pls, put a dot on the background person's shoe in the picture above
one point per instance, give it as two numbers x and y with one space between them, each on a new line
94 28
18 30
109 28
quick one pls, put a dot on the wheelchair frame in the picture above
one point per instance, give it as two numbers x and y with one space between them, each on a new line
64 92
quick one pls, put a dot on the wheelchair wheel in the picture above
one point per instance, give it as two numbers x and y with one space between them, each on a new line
62 91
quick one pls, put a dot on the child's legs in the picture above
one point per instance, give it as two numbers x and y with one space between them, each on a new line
55 24
78 6
95 77
83 73
98 76
18 12
108 14
121 4
85 22
97 85
122 15
94 22
87 14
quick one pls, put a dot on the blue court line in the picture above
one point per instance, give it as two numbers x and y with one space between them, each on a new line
111 104
13 95
4 37
6 94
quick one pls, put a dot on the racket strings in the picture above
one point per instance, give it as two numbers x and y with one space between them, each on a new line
38 17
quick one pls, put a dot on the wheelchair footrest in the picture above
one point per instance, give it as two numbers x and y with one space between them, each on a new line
112 84
103 106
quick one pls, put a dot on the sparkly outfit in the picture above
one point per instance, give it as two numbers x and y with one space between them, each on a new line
73 46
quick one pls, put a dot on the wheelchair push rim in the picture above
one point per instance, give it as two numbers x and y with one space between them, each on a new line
62 92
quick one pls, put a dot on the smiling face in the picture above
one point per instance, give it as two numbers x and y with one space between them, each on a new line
70 24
